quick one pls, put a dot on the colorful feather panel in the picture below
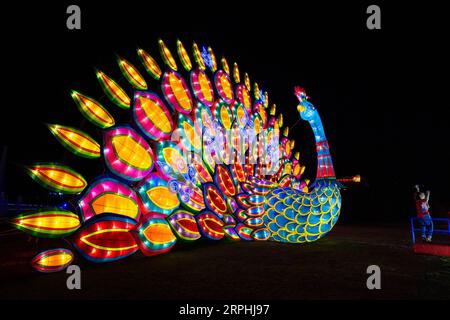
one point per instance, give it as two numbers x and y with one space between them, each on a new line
106 237
127 154
57 177
152 116
154 236
93 110
76 141
210 225
156 195
214 199
132 74
52 260
114 92
179 170
185 226
230 233
184 56
107 195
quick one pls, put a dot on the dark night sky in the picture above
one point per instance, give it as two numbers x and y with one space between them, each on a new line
380 93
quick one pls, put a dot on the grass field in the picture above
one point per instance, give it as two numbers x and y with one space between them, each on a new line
332 268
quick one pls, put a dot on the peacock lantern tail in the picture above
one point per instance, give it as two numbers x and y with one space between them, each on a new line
204 156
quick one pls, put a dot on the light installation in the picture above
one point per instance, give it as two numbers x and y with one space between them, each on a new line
52 260
205 156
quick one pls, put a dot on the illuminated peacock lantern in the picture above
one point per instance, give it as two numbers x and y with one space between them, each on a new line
205 156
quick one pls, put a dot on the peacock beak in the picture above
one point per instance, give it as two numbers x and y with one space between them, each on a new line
301 108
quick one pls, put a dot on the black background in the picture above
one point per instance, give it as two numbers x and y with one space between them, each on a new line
381 93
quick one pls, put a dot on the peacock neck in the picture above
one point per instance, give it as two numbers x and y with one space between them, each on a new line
325 169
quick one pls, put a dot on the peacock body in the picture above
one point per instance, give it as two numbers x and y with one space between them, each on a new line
203 157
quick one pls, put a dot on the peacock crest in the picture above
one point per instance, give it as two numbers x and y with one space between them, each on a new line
204 155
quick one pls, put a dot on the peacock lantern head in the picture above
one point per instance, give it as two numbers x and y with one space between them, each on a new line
305 108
